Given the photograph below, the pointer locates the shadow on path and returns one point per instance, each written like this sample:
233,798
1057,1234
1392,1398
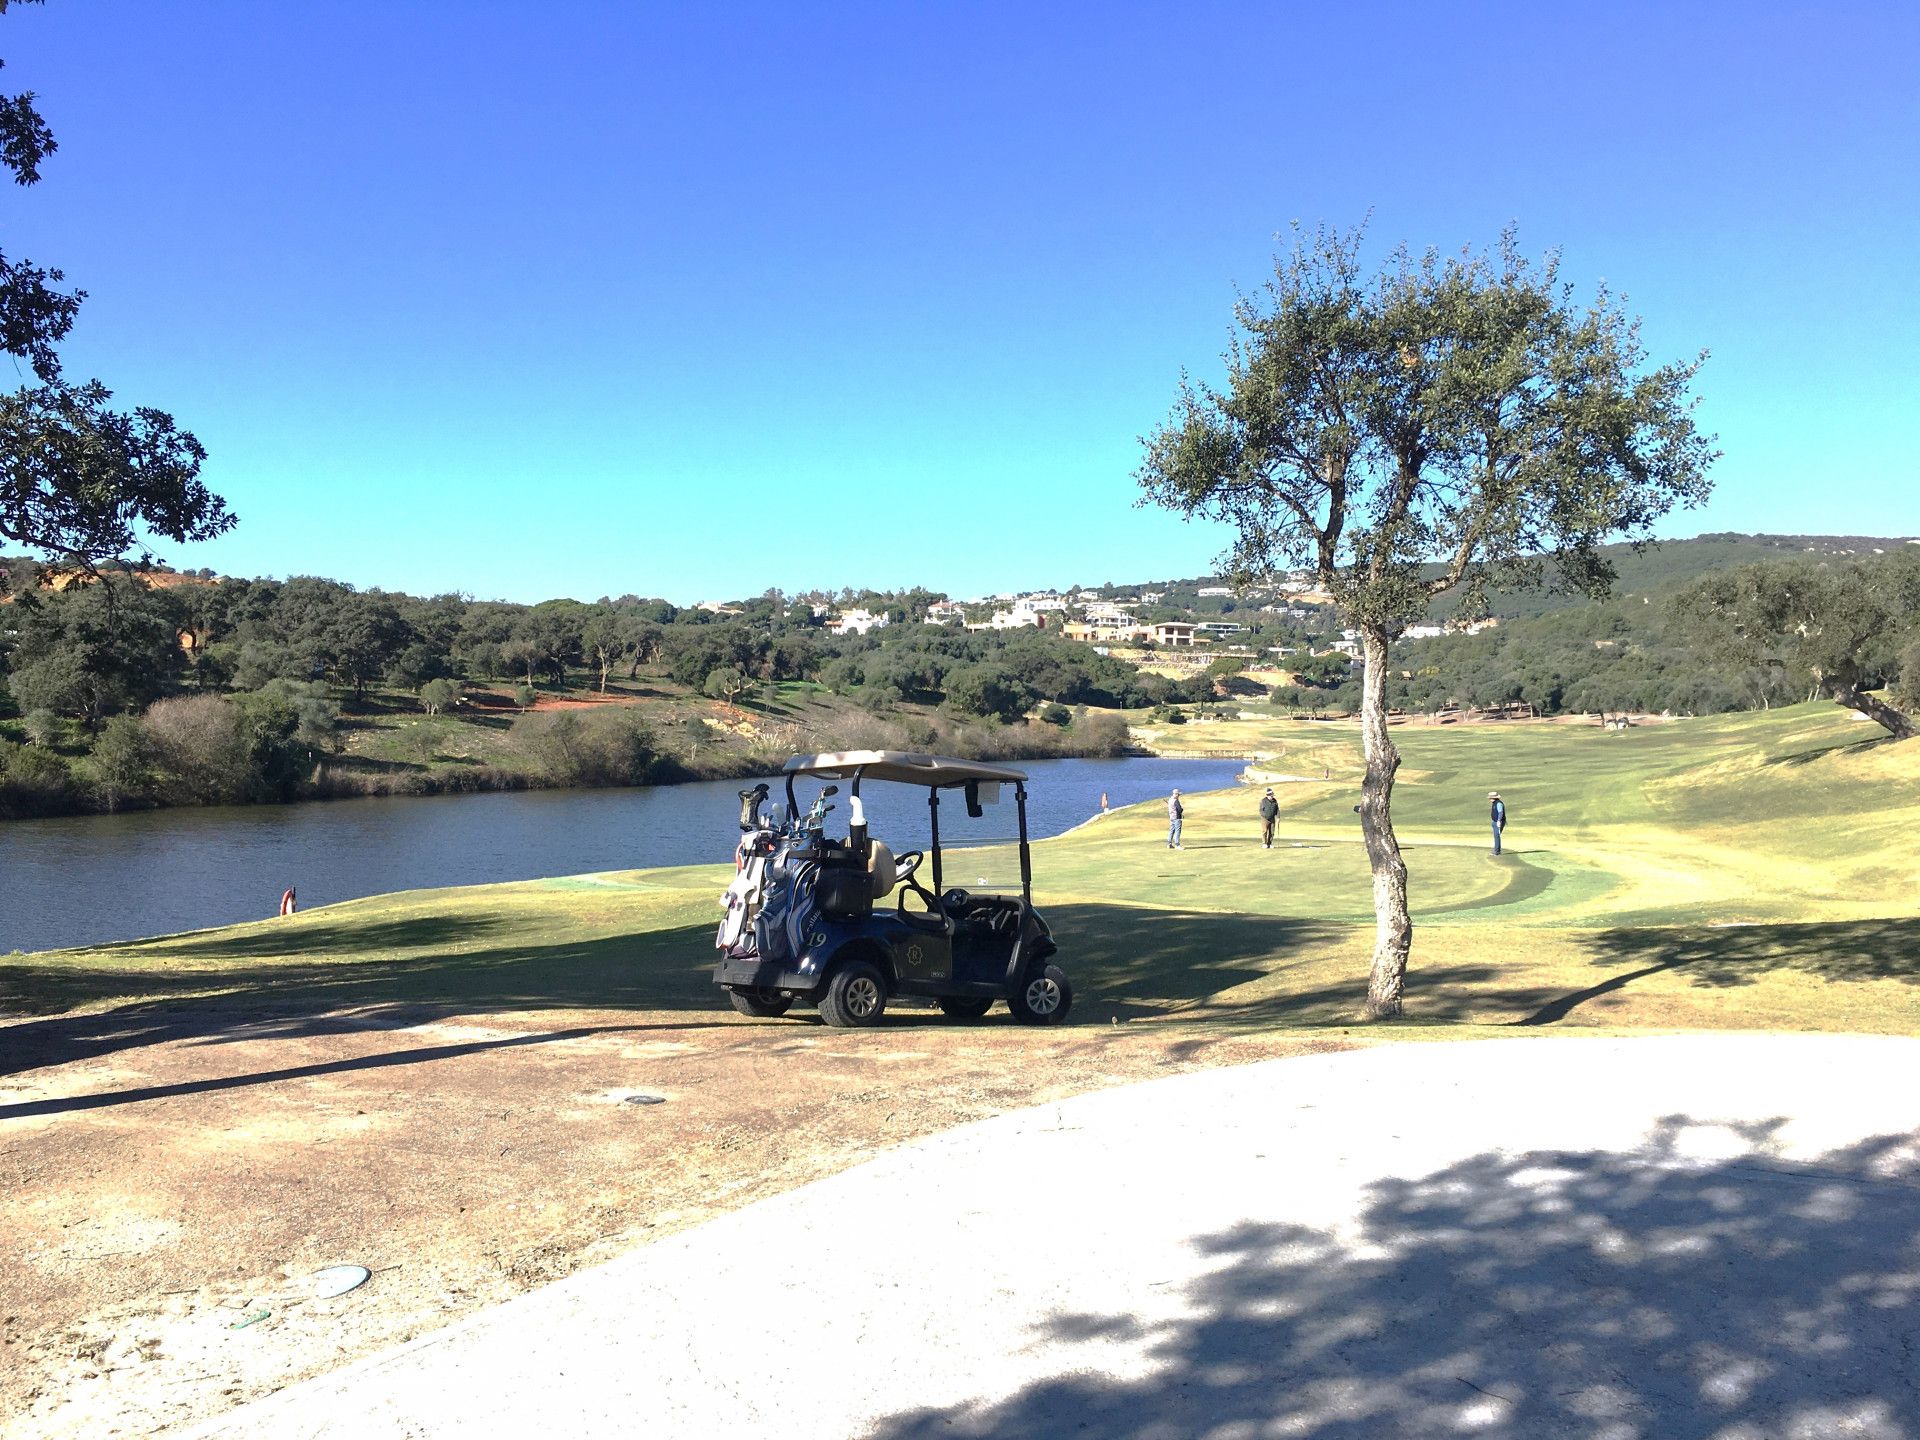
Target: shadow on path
1554,1293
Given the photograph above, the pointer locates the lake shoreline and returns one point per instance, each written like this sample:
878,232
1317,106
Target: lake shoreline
352,782
95,879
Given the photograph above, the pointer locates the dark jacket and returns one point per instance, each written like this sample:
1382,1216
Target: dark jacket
1500,813
1269,808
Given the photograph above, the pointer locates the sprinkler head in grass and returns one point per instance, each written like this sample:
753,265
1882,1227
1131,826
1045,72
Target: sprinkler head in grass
338,1280
645,1100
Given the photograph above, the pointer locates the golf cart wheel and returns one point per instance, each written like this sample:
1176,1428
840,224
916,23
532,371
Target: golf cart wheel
965,1007
856,995
1043,998
762,1004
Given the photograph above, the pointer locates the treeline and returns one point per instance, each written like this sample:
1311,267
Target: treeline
187,689
1841,624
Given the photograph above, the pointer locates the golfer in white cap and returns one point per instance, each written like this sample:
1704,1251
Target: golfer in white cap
1499,817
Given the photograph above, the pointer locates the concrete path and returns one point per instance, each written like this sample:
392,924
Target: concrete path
1673,1236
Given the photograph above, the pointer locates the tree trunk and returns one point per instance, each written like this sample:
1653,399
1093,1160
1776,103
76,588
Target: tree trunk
1895,722
1393,927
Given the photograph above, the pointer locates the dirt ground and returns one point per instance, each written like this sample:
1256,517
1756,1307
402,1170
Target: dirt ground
169,1196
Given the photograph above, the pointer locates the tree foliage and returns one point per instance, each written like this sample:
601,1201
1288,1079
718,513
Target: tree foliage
79,481
1442,426
1843,628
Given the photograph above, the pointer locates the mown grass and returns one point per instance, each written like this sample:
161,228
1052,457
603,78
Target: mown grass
1740,872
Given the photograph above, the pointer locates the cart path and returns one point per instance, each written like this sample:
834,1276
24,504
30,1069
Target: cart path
1689,1234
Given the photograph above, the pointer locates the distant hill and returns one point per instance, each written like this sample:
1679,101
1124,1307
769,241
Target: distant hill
1661,569
1656,570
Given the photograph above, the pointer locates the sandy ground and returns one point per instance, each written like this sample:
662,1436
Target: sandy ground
171,1186
1616,1239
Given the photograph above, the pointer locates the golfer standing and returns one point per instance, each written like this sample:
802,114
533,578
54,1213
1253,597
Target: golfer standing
1499,816
1269,812
1175,812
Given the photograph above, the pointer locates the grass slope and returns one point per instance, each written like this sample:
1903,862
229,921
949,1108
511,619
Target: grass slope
1752,871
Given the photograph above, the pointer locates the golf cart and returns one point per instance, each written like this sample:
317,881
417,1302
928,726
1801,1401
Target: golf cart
848,924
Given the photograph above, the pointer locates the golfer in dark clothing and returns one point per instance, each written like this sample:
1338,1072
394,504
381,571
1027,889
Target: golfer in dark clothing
1269,812
1499,817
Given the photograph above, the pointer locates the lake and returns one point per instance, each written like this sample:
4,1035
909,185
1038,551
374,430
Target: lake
85,880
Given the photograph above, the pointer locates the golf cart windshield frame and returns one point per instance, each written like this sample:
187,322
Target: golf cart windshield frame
937,773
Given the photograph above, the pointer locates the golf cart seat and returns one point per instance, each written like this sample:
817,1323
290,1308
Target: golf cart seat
881,871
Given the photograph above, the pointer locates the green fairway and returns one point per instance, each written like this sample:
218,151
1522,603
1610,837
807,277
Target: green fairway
1734,872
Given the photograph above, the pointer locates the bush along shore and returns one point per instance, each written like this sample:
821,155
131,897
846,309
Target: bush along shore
288,742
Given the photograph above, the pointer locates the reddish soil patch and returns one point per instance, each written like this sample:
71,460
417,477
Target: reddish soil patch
494,700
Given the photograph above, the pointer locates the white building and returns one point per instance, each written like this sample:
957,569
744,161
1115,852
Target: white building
1207,590
856,622
1015,619
1045,604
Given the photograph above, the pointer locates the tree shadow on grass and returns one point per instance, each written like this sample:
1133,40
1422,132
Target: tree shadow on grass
240,987
386,1059
1135,960
1551,1293
298,980
1726,956
1839,747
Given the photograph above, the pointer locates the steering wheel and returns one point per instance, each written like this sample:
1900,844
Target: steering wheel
904,865
954,899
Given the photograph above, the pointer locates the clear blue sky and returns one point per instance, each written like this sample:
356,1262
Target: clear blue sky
586,298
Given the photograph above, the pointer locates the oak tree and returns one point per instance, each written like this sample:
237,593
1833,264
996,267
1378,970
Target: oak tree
1836,627
1420,433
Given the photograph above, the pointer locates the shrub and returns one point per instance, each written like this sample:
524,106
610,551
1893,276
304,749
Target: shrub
33,781
439,694
123,762
201,751
524,696
989,691
1104,734
603,747
316,716
43,727
1056,714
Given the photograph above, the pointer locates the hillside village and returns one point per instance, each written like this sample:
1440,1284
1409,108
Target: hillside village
1164,628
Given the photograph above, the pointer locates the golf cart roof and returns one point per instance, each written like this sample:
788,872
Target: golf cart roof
907,766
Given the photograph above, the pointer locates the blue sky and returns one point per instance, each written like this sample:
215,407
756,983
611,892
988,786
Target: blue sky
583,298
